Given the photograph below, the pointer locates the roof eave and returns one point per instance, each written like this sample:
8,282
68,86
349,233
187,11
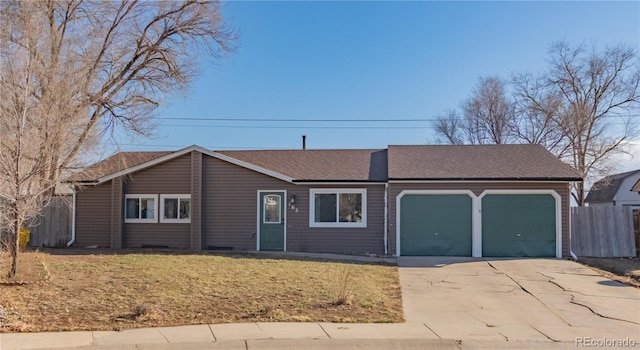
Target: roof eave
563,179
300,181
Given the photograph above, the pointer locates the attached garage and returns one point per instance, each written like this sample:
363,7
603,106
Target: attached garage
478,200
489,223
436,224
519,225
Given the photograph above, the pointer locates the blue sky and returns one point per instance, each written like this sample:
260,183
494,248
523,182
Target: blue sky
321,62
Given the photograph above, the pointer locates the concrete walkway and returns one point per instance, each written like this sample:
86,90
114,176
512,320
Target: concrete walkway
520,300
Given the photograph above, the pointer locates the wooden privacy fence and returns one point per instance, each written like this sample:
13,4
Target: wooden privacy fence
603,231
53,227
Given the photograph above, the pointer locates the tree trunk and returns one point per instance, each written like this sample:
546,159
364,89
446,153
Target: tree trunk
14,243
14,238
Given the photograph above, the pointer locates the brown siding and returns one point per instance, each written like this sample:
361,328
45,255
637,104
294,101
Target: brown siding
301,237
93,221
117,204
230,214
196,201
477,188
171,177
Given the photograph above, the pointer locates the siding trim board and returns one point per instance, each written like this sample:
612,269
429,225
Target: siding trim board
196,239
117,200
476,237
338,182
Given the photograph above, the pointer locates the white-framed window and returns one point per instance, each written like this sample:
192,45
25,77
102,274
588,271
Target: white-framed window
140,208
343,207
175,208
272,209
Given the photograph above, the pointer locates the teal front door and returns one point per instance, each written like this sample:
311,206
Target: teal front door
271,211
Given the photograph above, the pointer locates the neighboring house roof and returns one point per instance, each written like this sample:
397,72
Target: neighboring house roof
477,162
485,162
605,189
636,186
320,165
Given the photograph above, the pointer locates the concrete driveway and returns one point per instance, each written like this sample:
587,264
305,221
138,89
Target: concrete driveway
539,300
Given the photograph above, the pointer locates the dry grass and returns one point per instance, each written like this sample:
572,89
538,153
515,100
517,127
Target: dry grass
624,270
113,292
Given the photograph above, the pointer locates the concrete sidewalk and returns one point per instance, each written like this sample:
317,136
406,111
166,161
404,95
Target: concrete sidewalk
262,336
239,336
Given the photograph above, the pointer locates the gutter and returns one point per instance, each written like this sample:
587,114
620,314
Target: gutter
73,218
386,217
510,179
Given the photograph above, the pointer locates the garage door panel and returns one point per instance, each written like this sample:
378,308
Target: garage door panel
519,248
438,225
518,225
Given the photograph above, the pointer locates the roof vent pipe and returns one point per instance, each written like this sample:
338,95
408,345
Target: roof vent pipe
304,141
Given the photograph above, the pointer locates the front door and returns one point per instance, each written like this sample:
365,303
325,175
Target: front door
271,211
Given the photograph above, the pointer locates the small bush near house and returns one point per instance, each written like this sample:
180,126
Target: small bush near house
343,287
25,234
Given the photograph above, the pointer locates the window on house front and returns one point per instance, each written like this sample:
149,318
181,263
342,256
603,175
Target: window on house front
140,208
272,209
175,208
338,208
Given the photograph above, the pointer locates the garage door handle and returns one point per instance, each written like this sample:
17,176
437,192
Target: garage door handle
517,234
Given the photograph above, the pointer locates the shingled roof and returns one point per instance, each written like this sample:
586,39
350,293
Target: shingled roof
477,162
320,165
117,162
605,189
485,162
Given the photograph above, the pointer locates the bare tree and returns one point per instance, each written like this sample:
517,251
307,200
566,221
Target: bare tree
534,120
590,96
450,128
73,70
485,118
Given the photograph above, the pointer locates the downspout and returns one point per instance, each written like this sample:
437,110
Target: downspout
73,218
386,219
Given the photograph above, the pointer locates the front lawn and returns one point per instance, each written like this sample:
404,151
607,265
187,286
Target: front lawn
118,291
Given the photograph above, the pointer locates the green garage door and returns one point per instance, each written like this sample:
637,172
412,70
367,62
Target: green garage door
436,225
515,225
